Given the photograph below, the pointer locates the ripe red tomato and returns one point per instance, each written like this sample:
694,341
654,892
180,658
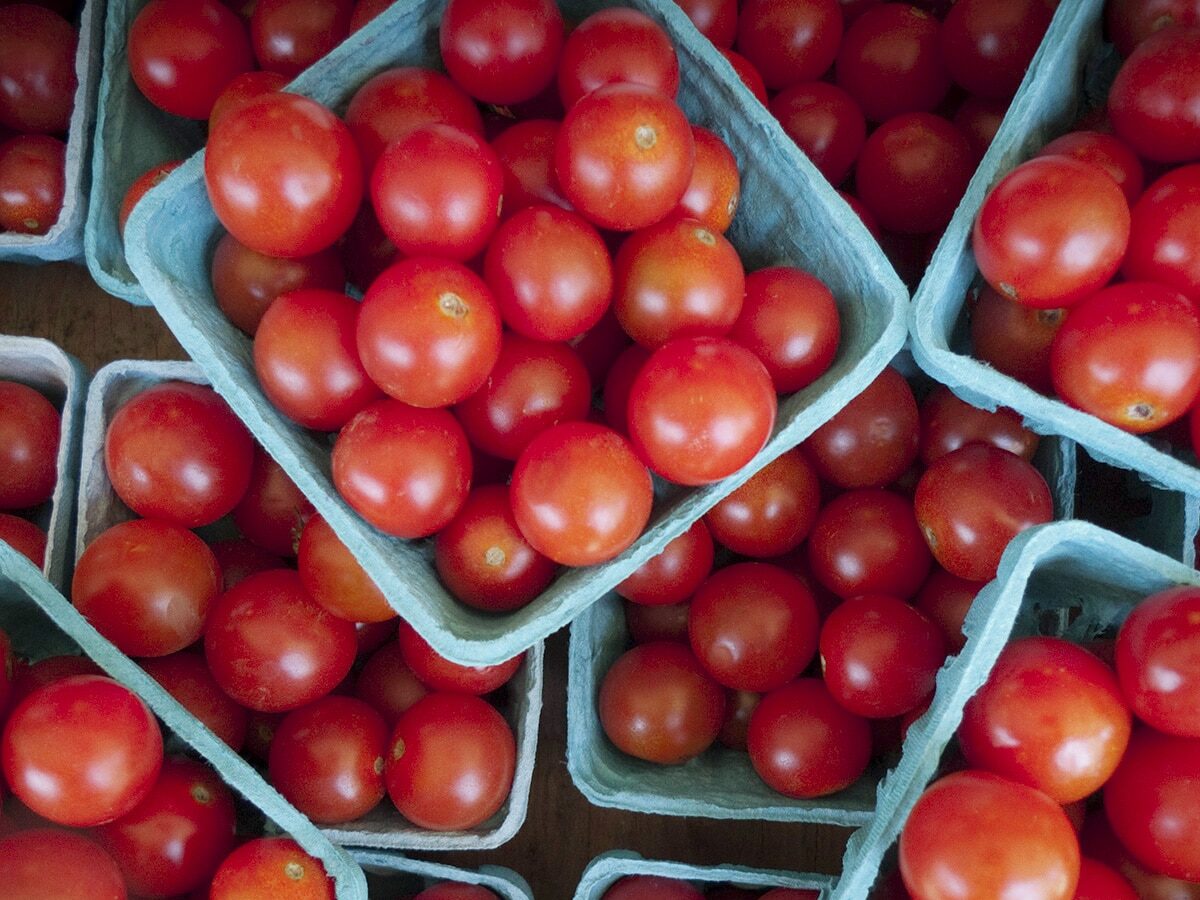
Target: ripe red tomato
715,188
803,744
624,156
753,626
272,512
1108,153
526,150
1130,355
52,864
240,90
658,704
1153,802
988,44
502,52
24,537
147,180
186,677
946,599
32,183
913,170
284,175
1014,339
979,120
825,122
483,559
29,434
271,869
647,624
272,648
366,250
239,558
1051,716
429,332
1006,840
972,502
1100,882
618,384
291,35
174,840
700,409
440,674
617,45
790,42
674,574
550,273
1129,22
334,578
744,69
868,542
1162,241
773,512
715,19
651,887
37,69
81,751
177,452
403,469
365,11
28,678
387,684
450,762
1154,102
739,707
948,423
880,656
1158,661
600,346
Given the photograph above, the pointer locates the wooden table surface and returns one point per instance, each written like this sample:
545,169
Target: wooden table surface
563,832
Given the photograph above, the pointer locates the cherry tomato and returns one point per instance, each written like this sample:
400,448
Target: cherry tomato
1129,22
873,439
52,864
291,35
239,558
972,502
1154,102
284,175
366,250
618,384
272,648
674,574
259,734
502,52
1130,355
28,678
739,707
335,579
868,542
1109,154
790,42
1158,661
1098,841
624,156
617,45
177,452
174,840
667,622
365,11
145,182
749,76
715,19
387,684
1162,240
450,762
550,273
714,191
700,409
32,183
600,346
1051,232
772,513
1100,882
825,122
658,704
440,674
273,511
946,599
81,751
29,432
240,90
979,120
803,744
37,69
24,537
526,150
1006,840
403,469
186,677
1014,339
753,626
948,423
988,44
271,869
651,887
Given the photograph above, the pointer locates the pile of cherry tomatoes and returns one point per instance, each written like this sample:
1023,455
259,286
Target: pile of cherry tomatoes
30,430
654,887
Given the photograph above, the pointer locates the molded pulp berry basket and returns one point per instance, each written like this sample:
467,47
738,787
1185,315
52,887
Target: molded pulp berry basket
608,868
384,827
65,239
789,214
63,380
1072,579
392,875
1072,69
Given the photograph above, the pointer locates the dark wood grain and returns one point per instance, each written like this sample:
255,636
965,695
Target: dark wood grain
563,831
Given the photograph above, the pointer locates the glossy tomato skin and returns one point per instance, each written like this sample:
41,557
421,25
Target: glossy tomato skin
335,579
946,599
880,656
715,19
1100,882
177,452
504,52
273,511
284,175
240,90
617,45
440,674
186,677
271,868
1007,838
526,150
753,626
28,678
483,559
1015,339
306,358
450,762
37,69
700,409
30,427
749,75
1153,100
53,864
182,54
147,586
147,180
988,44
32,183
1107,152
272,648
715,189
405,470
674,574
789,42
772,513
1051,716
175,839
1162,240
651,887
868,542
948,423
24,537
388,685
1053,231
81,751
657,703
1129,22
624,156
1153,803
1130,355
803,744
825,122
1158,661
291,35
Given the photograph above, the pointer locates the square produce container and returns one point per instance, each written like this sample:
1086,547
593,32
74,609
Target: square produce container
1071,579
383,827
63,380
789,214
65,239
608,868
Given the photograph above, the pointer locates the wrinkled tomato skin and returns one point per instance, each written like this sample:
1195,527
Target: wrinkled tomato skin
1163,246
1158,661
1154,102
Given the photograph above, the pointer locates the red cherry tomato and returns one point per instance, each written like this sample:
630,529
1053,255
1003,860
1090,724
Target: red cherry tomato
715,19
749,76
700,409
988,44
366,250
28,678
405,470
1109,154
803,744
24,537
651,887
739,707
948,423
502,52
147,180
29,434
674,574
273,511
772,513
1015,339
240,90
52,864
1158,661
789,42
291,35
37,69
1162,240
82,751
239,558
365,11
1130,355
619,383
658,704
1006,839
600,346
284,175
32,183
647,624
387,684
450,762
526,150
186,677
1129,22
825,122
946,599
714,191
1154,102
272,648
440,674
334,578
271,869
979,120
1100,882
617,45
